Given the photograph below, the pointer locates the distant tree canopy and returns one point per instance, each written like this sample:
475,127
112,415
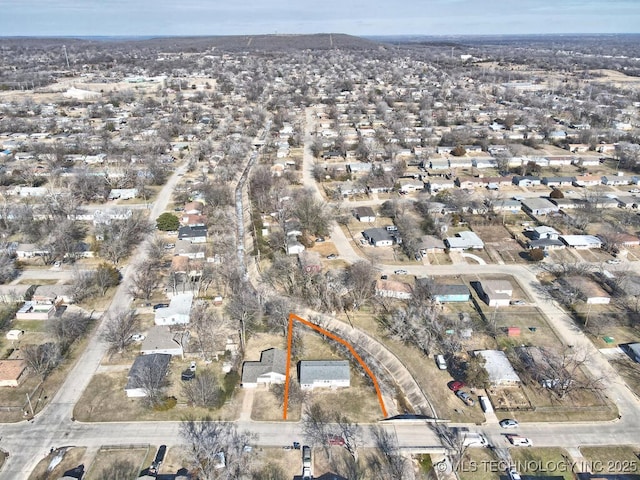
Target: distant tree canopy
168,222
536,254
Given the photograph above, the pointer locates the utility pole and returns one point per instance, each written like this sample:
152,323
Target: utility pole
64,48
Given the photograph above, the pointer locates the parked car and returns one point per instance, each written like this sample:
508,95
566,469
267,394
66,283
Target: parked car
169,246
513,474
614,262
160,305
332,256
465,397
193,366
400,272
335,440
319,239
155,465
137,337
306,473
384,277
634,190
441,362
509,423
518,302
518,441
187,375
455,385
296,445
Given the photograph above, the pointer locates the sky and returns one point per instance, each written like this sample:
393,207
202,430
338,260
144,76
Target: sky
354,17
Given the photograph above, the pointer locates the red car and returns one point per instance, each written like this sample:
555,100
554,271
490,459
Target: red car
335,440
455,385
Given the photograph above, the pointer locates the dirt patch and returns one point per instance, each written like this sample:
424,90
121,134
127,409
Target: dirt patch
70,460
120,463
509,398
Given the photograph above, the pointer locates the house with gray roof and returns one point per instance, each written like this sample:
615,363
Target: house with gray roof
378,237
497,365
539,206
142,365
324,374
270,369
160,339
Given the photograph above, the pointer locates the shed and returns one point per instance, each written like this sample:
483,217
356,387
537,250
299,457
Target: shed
513,331
365,214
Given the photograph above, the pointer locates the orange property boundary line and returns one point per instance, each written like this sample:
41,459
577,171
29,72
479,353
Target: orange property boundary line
292,317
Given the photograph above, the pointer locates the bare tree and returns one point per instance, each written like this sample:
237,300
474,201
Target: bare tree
145,280
8,270
42,359
212,445
204,390
119,328
68,328
394,466
453,440
151,378
360,280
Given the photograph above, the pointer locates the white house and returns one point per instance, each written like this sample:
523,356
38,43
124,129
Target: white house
496,293
393,289
270,369
177,312
324,374
497,365
464,240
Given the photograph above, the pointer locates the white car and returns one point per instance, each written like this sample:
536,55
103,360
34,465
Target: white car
614,262
137,337
193,366
400,272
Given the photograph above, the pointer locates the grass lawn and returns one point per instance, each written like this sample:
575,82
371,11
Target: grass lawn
542,461
479,464
120,463
71,459
623,459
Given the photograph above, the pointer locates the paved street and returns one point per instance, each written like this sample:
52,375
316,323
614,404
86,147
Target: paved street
29,442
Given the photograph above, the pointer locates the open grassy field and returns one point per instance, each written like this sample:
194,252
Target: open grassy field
120,463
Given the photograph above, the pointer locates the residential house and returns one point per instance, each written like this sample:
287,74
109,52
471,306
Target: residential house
193,233
379,237
53,294
269,370
178,311
496,293
193,208
590,161
565,204
465,240
12,372
627,201
430,244
437,164
581,242
435,184
443,293
587,181
123,193
560,160
365,214
30,250
616,180
497,365
193,219
359,167
558,181
544,231
30,310
294,247
393,289
193,251
507,205
349,188
139,371
409,185
324,374
539,206
160,339
588,290
526,181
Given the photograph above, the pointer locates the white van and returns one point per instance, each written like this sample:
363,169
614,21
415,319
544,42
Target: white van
485,403
518,441
441,362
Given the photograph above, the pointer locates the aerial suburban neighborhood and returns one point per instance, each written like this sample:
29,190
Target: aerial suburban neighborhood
320,256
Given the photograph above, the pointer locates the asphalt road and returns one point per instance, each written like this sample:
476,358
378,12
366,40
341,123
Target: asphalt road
53,424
